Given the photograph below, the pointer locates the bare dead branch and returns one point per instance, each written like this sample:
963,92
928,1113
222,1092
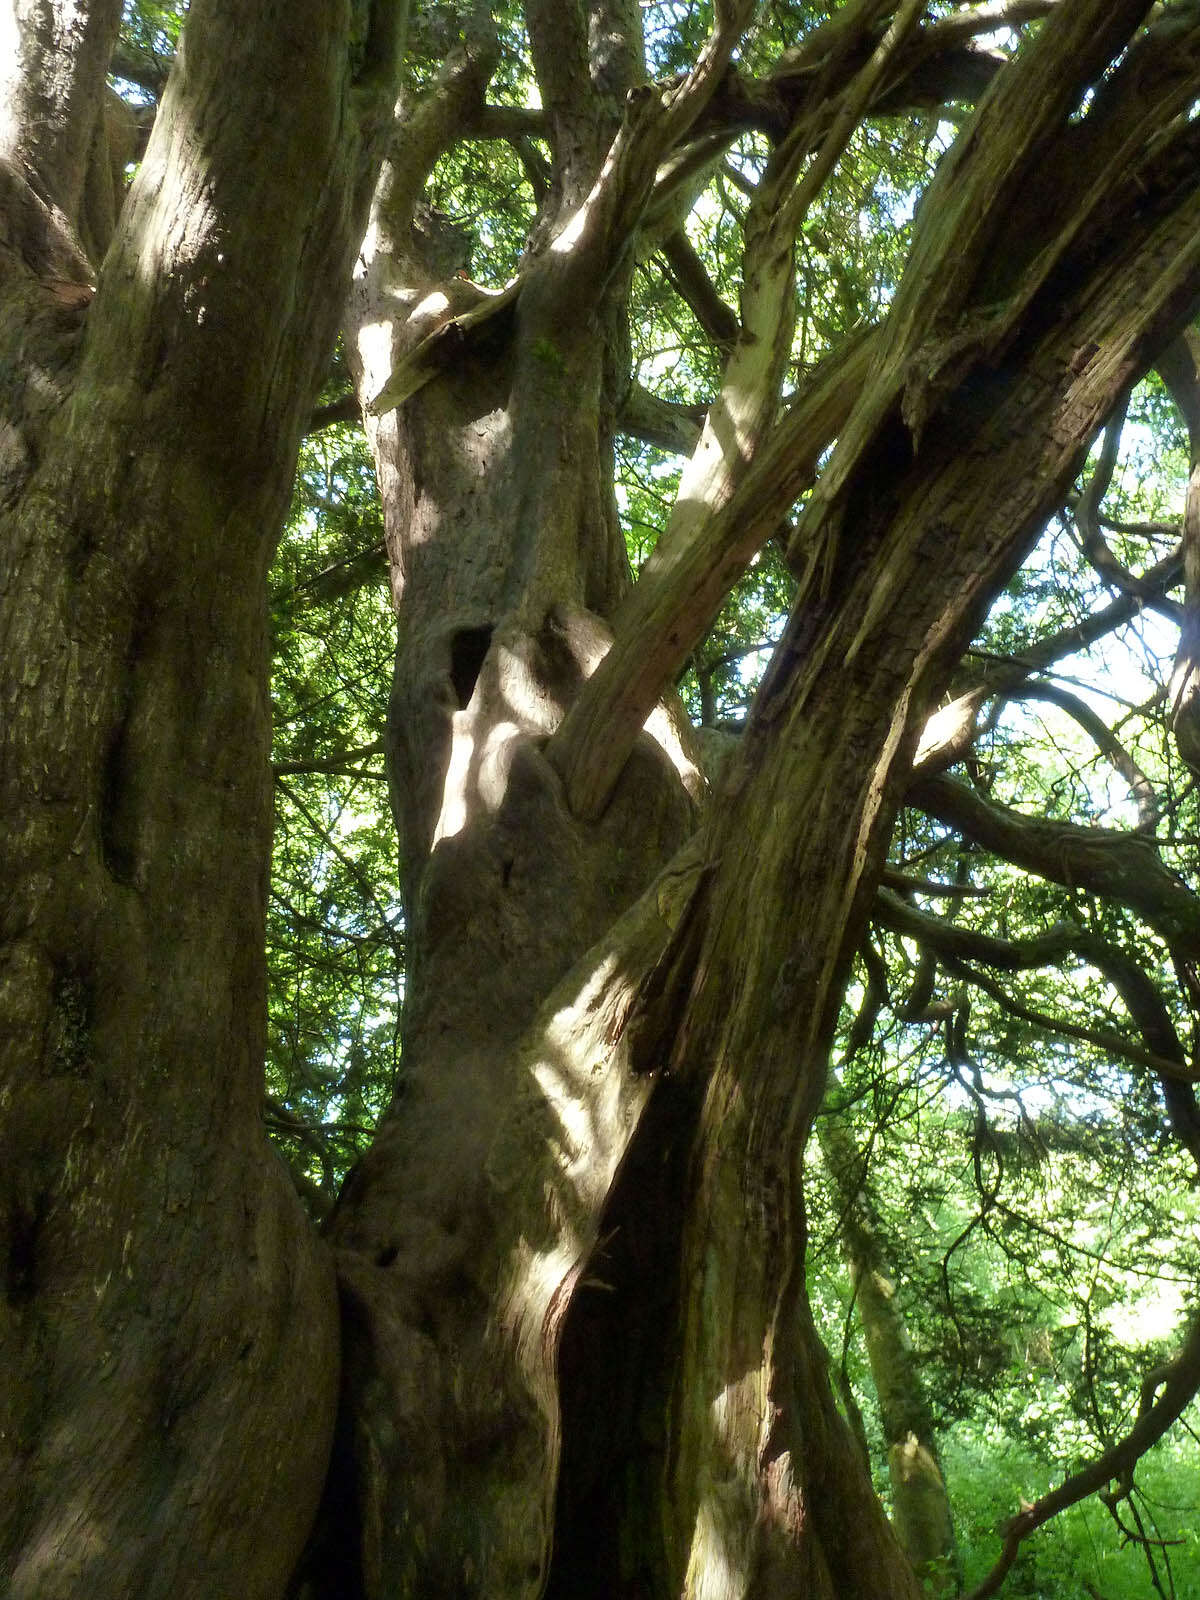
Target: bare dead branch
661,422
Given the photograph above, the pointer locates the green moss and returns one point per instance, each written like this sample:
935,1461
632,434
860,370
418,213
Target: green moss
67,1045
548,353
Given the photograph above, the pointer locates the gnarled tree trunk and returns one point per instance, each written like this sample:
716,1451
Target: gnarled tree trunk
168,1329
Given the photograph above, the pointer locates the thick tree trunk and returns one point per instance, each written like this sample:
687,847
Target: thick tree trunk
460,1234
168,1332
796,849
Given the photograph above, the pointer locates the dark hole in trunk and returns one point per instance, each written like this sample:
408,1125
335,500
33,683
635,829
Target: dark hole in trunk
468,648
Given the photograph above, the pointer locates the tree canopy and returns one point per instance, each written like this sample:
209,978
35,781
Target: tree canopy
731,980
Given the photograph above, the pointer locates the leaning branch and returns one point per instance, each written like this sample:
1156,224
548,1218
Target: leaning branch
656,123
684,583
1121,866
1175,1386
693,285
445,345
918,360
988,18
935,335
962,949
1180,368
594,741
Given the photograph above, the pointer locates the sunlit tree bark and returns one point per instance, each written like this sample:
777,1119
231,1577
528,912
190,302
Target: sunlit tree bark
1019,322
168,1329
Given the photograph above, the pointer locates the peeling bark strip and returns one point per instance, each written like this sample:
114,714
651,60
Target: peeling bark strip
168,1342
621,993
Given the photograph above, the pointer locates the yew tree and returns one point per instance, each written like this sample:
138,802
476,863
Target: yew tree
554,1334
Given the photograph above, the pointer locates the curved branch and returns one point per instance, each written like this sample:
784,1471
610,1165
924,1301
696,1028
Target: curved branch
1086,510
1106,742
149,72
1157,580
428,127
1107,1040
957,946
1176,1386
1122,866
987,19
